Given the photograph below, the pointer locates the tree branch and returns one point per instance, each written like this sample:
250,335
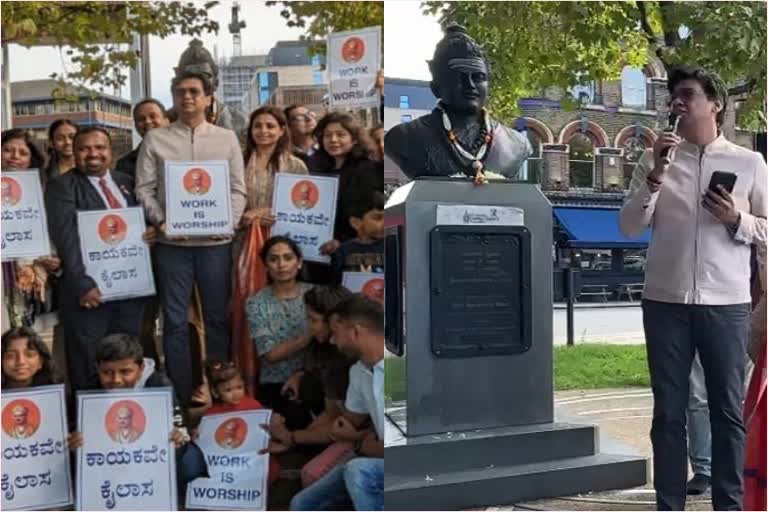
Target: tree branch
646,26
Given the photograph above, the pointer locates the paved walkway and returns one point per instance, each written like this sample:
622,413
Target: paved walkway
624,418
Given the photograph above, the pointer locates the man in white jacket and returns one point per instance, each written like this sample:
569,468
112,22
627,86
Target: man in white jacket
696,296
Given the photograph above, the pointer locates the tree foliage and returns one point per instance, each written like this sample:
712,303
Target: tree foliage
322,18
93,33
535,45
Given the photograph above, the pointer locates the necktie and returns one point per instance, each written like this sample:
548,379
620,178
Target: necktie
111,199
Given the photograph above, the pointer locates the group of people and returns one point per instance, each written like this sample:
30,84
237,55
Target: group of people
246,322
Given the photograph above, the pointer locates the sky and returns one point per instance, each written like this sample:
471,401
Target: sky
264,27
409,40
405,57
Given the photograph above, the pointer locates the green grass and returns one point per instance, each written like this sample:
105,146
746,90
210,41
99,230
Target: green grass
584,366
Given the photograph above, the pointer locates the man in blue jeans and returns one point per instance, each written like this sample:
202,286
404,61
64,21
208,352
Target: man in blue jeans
696,296
699,432
358,331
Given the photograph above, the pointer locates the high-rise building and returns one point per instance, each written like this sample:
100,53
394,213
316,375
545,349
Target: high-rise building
250,80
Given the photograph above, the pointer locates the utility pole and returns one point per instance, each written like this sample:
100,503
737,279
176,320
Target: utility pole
6,89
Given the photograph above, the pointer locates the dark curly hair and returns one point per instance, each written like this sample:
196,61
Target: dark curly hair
359,151
47,373
713,86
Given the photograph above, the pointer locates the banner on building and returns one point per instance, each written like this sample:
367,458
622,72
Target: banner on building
198,198
127,461
36,471
238,475
114,253
305,211
24,225
354,59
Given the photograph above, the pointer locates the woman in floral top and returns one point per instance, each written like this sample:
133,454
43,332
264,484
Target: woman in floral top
26,290
278,326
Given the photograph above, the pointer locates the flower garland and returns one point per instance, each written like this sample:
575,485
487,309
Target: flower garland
476,159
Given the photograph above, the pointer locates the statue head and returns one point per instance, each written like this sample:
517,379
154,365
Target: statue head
196,59
460,72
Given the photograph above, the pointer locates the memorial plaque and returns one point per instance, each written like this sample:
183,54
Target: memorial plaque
393,290
480,290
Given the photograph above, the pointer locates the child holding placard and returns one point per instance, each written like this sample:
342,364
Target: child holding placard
228,395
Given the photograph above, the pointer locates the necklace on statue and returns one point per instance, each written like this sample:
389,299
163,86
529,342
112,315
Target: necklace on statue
476,159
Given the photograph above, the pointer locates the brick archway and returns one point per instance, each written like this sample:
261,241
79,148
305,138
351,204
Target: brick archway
542,130
646,134
574,127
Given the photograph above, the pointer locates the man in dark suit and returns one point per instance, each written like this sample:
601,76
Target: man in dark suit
86,318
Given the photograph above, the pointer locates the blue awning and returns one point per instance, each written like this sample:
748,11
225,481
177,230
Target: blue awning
595,228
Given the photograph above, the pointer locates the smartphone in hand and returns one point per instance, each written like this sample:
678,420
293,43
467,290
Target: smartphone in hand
726,179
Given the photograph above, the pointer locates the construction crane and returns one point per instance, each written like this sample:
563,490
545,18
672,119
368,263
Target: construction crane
234,29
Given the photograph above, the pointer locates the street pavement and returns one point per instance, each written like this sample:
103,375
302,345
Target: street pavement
624,419
597,323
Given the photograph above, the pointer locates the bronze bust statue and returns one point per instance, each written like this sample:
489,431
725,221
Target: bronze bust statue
458,137
196,58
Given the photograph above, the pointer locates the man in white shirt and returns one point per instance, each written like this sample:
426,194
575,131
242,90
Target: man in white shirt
696,297
358,331
85,316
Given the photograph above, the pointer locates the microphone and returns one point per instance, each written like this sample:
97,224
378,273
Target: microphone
672,123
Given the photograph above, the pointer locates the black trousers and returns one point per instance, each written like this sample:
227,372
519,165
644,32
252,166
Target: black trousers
85,328
673,333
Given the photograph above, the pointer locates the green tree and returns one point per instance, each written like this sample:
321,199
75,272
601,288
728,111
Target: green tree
94,31
534,45
322,18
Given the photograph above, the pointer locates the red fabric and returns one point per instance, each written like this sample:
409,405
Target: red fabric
250,276
319,466
111,199
247,404
756,446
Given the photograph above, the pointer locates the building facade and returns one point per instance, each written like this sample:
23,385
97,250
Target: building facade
583,159
34,108
248,81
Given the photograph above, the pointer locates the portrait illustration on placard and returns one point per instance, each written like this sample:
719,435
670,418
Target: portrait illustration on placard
112,229
353,50
11,191
231,433
125,422
21,419
197,181
304,195
374,289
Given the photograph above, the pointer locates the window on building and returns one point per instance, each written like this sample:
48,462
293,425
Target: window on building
531,170
405,102
633,88
584,94
633,150
581,160
737,106
406,118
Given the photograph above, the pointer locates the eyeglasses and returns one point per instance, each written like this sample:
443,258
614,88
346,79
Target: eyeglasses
222,365
685,95
180,92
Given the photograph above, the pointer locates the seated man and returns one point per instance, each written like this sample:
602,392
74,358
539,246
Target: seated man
359,332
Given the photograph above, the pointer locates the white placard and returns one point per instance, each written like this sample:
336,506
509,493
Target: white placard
238,474
127,461
477,215
370,284
354,59
114,253
24,226
198,198
305,209
36,471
